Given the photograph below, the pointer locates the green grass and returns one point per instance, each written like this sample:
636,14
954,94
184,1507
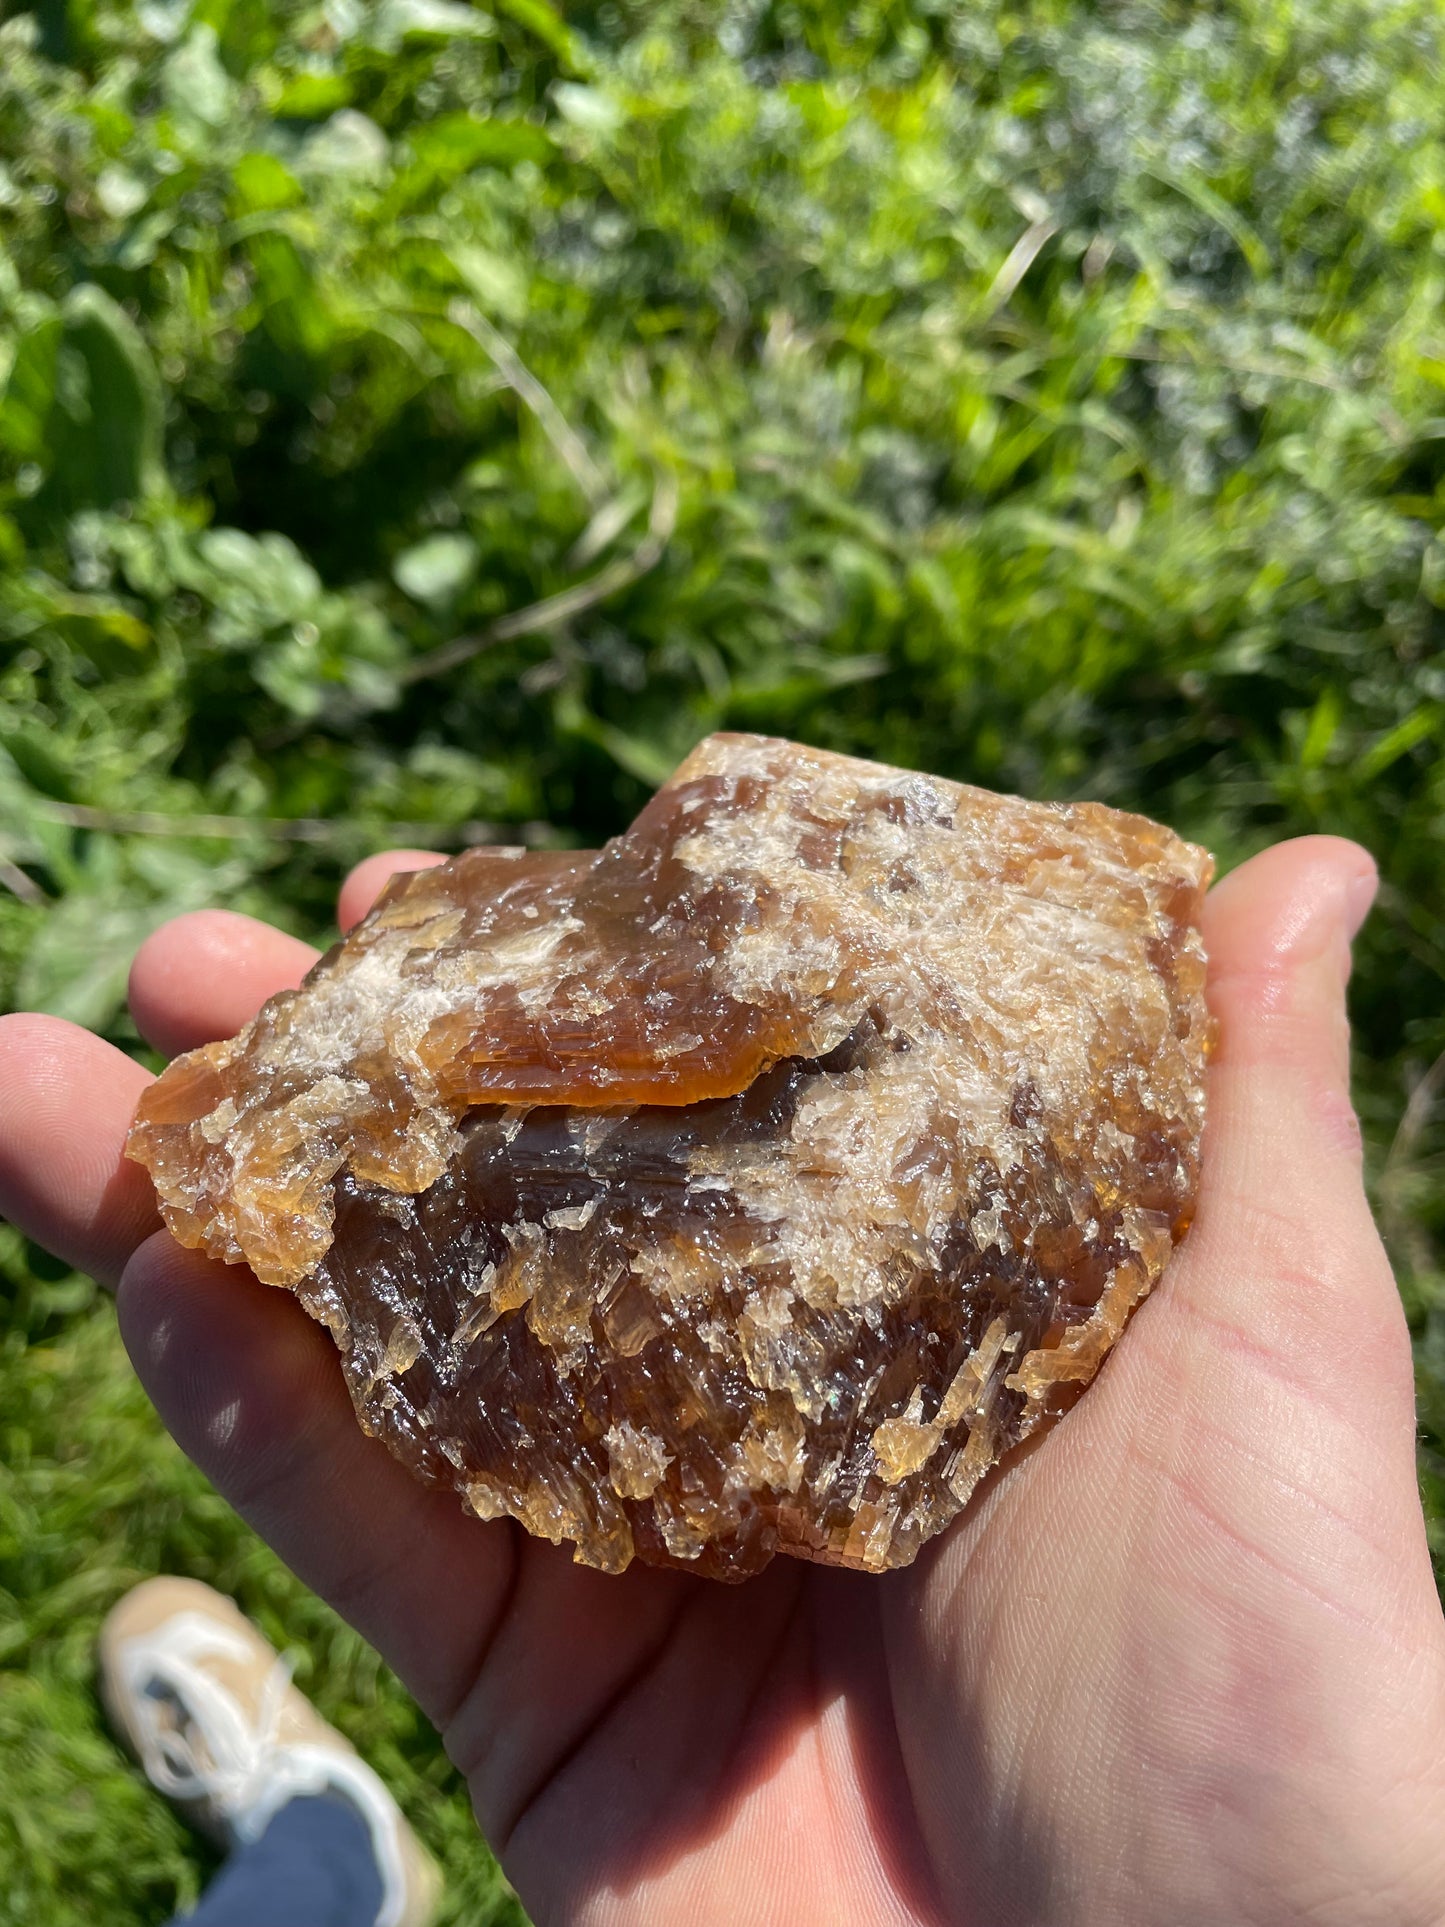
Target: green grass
1049,394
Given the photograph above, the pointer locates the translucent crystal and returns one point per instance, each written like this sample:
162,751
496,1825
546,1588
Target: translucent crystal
750,1185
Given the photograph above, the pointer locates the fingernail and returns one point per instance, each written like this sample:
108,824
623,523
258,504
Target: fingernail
1359,895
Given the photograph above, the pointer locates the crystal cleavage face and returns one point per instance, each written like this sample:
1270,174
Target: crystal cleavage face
748,1186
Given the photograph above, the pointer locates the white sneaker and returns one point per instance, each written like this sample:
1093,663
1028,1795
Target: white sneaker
208,1709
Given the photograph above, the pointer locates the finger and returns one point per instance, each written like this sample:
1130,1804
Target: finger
66,1103
204,975
1284,1257
371,876
1278,932
251,1389
1281,1133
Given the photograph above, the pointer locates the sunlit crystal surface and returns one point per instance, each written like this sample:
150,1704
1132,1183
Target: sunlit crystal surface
747,1186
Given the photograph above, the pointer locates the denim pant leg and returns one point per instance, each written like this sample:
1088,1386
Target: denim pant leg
312,1867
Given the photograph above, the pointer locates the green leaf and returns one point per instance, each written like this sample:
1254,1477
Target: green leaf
120,192
197,88
295,313
32,752
456,143
164,20
78,963
30,391
311,96
1323,727
436,570
498,285
84,402
554,33
592,109
77,966
256,584
398,20
1399,741
651,763
260,182
140,245
347,144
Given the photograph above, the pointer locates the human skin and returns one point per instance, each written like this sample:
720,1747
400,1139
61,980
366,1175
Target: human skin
1180,1664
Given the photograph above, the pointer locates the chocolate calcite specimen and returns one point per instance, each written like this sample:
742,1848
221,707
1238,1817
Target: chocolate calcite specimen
747,1186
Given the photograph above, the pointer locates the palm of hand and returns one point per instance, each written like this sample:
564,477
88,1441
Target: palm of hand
1183,1662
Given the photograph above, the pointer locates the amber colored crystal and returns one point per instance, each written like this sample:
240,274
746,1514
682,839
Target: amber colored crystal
750,1185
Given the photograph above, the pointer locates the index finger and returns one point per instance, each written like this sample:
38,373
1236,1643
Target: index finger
203,975
66,1102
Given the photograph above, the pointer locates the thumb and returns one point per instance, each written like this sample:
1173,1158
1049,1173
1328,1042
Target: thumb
1284,1258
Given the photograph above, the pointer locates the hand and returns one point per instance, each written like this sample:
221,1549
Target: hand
1182,1663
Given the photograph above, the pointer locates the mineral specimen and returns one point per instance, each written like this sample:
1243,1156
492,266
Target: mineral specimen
750,1185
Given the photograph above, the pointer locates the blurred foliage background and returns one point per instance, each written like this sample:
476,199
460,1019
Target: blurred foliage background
421,421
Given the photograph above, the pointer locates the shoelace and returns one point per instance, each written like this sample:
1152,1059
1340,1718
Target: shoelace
215,1752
